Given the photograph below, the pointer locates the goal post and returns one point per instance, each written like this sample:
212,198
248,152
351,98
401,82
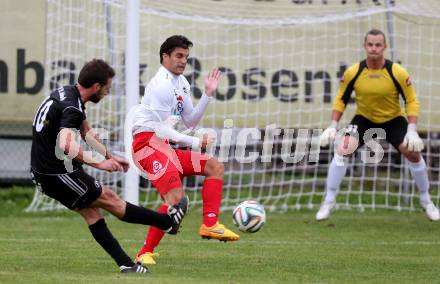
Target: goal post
281,63
131,186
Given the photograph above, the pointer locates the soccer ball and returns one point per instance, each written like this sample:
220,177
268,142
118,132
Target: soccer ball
249,216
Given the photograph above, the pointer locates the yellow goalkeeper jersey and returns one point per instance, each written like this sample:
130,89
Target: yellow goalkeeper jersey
377,92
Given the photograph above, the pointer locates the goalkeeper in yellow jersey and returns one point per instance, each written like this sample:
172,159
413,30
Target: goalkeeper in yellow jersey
378,83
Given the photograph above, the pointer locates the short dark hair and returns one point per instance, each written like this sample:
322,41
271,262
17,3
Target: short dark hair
375,32
95,71
172,42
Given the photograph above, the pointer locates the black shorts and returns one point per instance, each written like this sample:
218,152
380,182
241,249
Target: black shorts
75,190
394,130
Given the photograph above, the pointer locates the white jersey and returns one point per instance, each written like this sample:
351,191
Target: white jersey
167,100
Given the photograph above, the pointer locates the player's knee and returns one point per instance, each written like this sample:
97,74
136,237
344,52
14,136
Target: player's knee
219,168
90,215
110,202
108,196
347,145
173,196
214,168
413,157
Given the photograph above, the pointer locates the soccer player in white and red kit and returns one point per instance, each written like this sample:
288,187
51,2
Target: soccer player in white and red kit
167,101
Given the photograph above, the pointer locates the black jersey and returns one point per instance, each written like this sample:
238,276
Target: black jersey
62,109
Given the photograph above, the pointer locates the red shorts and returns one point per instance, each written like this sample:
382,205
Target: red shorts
163,165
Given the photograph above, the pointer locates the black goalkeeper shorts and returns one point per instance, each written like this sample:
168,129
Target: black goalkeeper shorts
394,129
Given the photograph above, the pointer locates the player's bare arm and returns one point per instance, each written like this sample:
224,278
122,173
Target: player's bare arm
67,143
92,139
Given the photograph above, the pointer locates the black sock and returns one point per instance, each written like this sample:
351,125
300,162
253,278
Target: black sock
140,215
104,237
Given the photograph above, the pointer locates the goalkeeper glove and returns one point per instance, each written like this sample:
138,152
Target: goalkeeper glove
412,140
329,134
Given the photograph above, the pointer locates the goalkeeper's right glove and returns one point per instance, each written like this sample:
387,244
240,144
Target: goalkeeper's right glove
412,140
329,134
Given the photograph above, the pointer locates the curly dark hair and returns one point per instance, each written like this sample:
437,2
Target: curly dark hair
95,71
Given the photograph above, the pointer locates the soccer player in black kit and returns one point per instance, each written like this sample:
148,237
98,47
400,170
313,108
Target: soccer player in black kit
57,158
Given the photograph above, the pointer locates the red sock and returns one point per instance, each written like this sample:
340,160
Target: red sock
211,198
154,235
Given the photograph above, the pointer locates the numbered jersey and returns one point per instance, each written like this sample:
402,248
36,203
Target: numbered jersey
62,109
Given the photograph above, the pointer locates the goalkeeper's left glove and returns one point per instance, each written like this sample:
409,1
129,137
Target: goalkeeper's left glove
412,140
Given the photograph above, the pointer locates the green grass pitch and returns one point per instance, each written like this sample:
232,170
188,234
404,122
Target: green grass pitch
352,247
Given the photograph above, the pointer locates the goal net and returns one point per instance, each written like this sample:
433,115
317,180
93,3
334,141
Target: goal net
281,63
76,32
